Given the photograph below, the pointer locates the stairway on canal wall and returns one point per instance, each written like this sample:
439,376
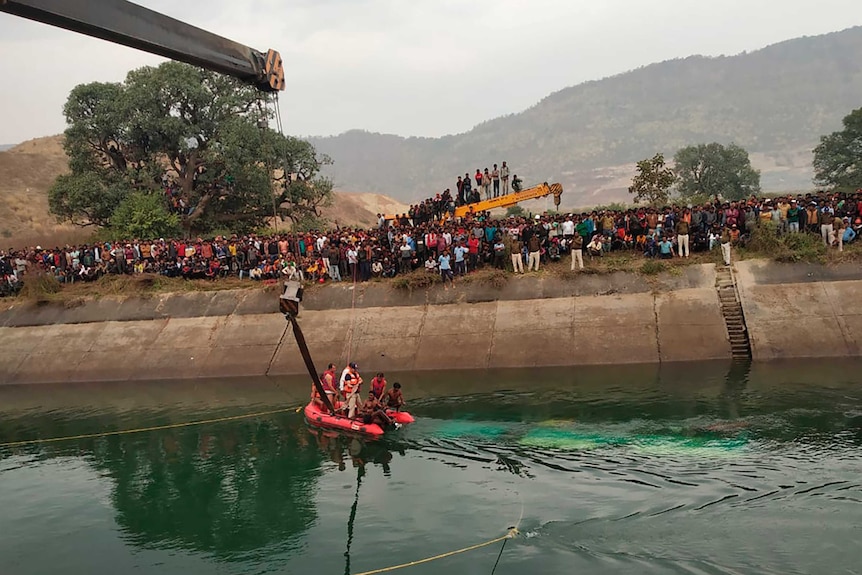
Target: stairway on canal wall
734,316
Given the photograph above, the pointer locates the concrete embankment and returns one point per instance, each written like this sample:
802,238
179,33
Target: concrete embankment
612,319
791,311
801,310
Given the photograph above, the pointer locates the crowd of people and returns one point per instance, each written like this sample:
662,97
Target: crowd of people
485,185
451,247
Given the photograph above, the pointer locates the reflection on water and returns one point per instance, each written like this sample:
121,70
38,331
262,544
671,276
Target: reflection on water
699,468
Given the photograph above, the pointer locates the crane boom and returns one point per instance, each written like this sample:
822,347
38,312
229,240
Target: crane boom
129,24
539,191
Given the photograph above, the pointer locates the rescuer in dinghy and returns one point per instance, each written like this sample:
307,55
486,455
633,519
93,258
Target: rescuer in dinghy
349,386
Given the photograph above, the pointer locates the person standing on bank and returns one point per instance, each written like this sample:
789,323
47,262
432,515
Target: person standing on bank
577,247
725,245
682,229
517,260
495,177
534,247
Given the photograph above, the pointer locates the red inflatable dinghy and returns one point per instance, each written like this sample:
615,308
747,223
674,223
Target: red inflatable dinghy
319,418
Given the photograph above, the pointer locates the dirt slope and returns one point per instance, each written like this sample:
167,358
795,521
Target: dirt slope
28,170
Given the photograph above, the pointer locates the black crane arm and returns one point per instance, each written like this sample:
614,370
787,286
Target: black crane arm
125,23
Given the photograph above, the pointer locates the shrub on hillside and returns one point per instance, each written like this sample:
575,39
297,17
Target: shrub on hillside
39,287
802,247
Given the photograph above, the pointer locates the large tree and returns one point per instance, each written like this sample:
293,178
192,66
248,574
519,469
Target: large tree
205,133
652,182
838,158
715,170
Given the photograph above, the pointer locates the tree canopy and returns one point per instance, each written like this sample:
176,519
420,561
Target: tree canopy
652,182
715,170
198,134
838,158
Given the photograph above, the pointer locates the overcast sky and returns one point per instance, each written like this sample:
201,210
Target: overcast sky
411,67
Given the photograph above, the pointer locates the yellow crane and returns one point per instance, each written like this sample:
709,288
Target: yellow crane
512,199
539,191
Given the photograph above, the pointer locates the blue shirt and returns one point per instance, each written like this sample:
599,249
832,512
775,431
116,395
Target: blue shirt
489,233
459,253
665,246
849,235
444,262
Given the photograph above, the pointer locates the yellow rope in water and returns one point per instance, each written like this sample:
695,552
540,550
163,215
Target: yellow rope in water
144,429
511,533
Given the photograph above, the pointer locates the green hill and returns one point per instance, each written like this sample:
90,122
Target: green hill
776,102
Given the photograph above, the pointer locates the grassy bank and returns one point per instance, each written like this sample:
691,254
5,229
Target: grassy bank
764,244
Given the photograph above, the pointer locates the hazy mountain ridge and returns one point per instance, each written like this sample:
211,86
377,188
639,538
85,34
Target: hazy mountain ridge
776,102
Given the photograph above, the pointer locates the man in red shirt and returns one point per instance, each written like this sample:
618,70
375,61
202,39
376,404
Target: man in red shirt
378,386
472,252
328,381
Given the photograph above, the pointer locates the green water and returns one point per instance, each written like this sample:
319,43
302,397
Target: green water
701,468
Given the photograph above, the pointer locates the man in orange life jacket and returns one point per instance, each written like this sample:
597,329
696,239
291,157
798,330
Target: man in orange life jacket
350,384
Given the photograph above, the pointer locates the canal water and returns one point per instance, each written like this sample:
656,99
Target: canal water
699,468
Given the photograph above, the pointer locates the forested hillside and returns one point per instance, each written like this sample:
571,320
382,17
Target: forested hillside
776,102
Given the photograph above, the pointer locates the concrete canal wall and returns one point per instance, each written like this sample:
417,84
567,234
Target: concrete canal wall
801,310
591,320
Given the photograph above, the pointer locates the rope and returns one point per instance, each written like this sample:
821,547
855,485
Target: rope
500,554
352,311
145,429
509,535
